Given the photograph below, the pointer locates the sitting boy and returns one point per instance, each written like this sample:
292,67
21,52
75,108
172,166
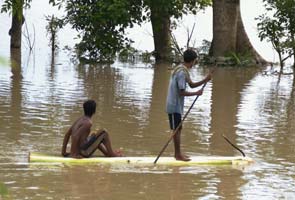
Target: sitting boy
84,144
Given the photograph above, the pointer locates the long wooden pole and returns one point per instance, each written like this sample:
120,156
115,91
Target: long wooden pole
178,127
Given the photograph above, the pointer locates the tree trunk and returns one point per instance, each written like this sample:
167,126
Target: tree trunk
161,32
15,31
225,13
229,35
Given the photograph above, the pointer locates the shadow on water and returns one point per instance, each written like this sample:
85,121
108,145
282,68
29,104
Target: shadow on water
158,123
226,97
291,108
15,110
282,106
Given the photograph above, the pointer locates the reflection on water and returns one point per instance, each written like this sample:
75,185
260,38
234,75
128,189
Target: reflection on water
39,102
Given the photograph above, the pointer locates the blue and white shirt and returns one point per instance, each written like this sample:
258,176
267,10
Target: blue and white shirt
178,80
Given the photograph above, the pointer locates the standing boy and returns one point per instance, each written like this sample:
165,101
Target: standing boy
176,93
83,144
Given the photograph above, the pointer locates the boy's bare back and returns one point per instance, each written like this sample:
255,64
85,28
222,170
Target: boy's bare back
80,131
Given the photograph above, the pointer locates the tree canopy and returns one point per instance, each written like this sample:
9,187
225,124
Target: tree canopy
102,24
278,26
11,6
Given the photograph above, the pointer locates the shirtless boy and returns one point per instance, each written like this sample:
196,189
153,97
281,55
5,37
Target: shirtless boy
84,143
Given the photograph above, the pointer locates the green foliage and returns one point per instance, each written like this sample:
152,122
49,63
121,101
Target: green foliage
146,56
278,26
102,23
58,3
238,59
12,6
205,47
128,54
53,26
176,8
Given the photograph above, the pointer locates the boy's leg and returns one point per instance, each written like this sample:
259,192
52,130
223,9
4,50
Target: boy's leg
102,148
106,147
175,120
177,152
176,140
94,140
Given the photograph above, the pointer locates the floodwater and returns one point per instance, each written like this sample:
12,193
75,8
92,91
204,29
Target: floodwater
252,107
40,98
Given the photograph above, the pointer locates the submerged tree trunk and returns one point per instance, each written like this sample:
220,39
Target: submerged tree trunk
161,32
224,27
229,35
15,31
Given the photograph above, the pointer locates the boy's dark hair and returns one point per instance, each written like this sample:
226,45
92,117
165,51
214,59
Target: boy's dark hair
89,107
189,55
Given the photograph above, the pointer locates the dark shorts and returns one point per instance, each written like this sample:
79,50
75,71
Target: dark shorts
174,120
92,143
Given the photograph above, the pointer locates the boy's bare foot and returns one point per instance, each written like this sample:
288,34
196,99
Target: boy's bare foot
116,153
182,158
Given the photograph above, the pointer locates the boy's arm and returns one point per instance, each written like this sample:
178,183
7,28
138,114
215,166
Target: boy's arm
65,143
181,83
197,84
186,93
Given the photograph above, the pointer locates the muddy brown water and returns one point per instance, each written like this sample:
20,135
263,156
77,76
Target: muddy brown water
39,100
253,109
